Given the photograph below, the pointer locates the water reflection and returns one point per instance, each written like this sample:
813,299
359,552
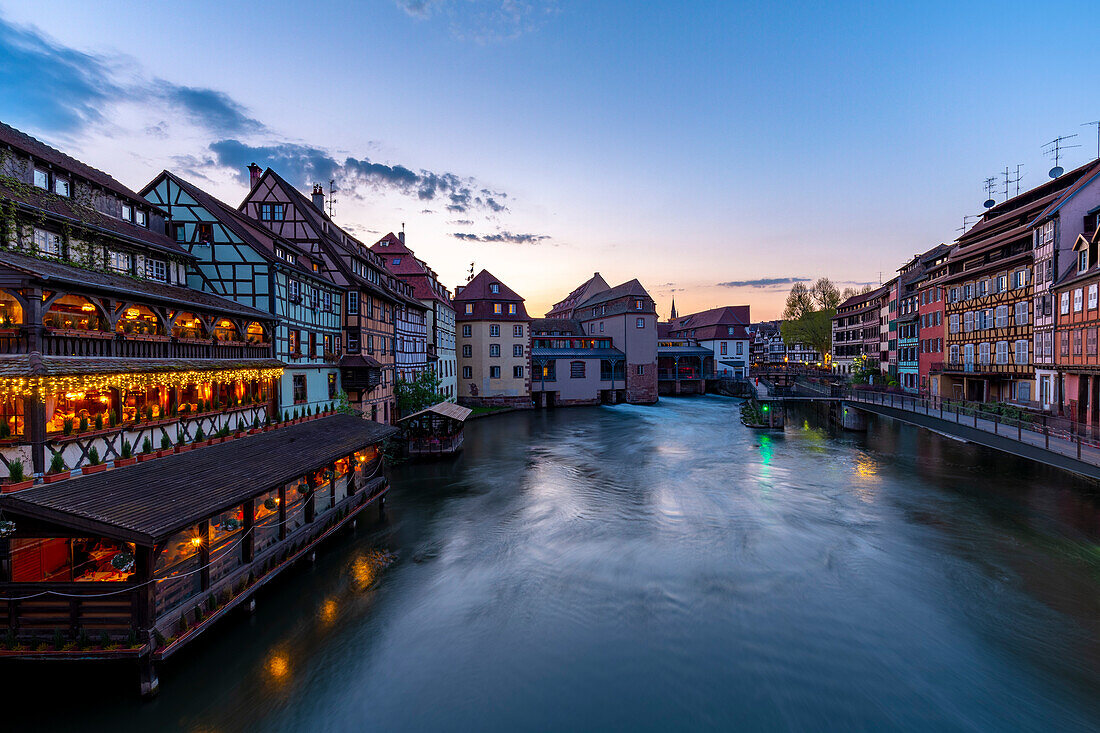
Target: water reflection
662,568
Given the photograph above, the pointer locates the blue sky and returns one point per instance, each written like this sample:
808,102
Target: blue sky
687,144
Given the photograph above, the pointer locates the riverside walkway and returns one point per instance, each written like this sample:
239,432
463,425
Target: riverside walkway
1053,441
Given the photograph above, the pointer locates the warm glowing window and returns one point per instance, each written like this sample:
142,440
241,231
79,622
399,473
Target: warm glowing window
255,333
137,319
188,326
11,313
73,312
226,330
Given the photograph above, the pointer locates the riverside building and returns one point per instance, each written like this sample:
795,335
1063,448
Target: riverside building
492,341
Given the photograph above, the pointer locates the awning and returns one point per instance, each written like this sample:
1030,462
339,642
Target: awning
683,351
148,502
446,409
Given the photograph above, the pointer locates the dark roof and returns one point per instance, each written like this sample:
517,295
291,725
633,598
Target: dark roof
114,284
35,364
409,269
683,351
35,147
631,288
563,326
714,323
569,353
358,361
148,502
564,307
477,293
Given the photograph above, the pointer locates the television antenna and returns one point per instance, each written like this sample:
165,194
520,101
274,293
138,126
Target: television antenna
1011,178
331,198
1054,148
990,185
966,221
1097,123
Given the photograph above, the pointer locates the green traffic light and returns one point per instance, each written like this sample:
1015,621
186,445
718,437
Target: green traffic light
765,408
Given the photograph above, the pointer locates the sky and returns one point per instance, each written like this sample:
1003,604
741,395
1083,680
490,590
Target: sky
717,151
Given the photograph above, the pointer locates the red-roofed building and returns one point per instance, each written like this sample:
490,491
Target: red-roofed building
724,332
492,341
426,288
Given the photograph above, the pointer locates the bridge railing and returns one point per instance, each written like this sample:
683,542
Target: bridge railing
1050,432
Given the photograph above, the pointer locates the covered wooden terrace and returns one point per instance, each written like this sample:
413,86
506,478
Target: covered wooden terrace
436,430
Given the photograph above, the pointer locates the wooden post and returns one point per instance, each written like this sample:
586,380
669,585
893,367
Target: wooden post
1046,433
204,554
282,512
248,546
311,505
332,486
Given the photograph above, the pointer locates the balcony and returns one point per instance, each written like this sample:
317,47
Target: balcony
73,342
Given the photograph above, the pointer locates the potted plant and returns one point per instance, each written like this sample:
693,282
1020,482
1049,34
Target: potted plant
255,425
16,480
112,418
84,424
57,471
165,445
200,438
5,430
67,426
147,453
148,413
127,456
95,463
99,421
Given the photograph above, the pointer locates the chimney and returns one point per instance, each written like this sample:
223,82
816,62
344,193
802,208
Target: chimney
401,236
319,197
254,172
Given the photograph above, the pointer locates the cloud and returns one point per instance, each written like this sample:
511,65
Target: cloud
504,237
426,211
461,222
484,21
211,108
304,164
764,282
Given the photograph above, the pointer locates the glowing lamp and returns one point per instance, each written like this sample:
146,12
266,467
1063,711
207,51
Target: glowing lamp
88,308
132,313
196,541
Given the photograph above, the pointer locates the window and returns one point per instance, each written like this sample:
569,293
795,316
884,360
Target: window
353,344
1019,278
1021,352
1063,338
494,329
293,291
156,270
294,342
953,323
397,260
740,348
467,331
517,372
1082,260
47,244
127,212
1092,296
141,218
953,295
467,351
119,261
1090,341
41,179
968,291
1064,309
61,186
968,321
331,385
517,331
469,309
512,309
467,372
299,388
641,369
640,323
953,354
517,350
1021,313
968,354
576,370
327,302
723,348
494,288
494,372
494,349
637,305
1077,300
498,308
205,232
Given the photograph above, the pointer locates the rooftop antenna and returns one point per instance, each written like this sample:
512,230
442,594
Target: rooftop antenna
990,184
1054,148
1017,177
332,198
1097,123
966,221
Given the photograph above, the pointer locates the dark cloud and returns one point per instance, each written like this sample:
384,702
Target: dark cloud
59,89
305,164
764,282
504,237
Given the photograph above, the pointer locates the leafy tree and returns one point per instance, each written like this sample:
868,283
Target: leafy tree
420,392
825,295
808,315
799,302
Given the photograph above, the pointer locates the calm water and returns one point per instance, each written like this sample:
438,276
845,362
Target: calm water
656,568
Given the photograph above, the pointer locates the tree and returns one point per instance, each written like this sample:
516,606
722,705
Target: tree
852,292
814,329
799,302
418,393
825,294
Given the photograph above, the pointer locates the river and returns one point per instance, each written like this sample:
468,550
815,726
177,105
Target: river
655,568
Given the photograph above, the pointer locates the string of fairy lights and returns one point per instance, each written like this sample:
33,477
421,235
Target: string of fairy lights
43,386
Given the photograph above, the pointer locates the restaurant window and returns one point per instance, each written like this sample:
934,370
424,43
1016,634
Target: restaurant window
331,386
467,372
299,388
494,330
265,521
156,270
494,372
254,333
177,569
139,320
11,312
119,261
226,330
296,493
42,178
187,325
72,312
225,532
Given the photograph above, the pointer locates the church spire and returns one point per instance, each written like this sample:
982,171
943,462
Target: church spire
672,316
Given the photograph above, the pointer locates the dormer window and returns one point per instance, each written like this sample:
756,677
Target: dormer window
42,178
637,305
469,308
498,308
61,186
127,212
141,218
494,288
1082,260
156,270
397,260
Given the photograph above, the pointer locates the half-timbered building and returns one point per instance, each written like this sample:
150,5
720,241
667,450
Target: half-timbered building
368,360
238,259
1077,357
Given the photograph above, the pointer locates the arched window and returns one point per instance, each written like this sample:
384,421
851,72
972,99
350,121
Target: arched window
75,313
187,325
137,319
11,313
255,333
226,330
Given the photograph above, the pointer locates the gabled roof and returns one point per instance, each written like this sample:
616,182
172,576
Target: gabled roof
591,286
479,289
261,240
402,262
566,326
631,288
445,409
477,293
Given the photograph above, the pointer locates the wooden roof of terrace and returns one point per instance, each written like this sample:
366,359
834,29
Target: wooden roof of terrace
26,267
35,364
445,409
148,502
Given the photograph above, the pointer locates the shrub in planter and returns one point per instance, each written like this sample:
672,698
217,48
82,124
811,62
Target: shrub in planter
147,445
255,422
149,412
112,418
179,438
158,639
199,435
93,456
5,430
67,426
58,639
104,640
84,424
240,425
15,471
286,416
165,441
57,464
127,449
99,421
